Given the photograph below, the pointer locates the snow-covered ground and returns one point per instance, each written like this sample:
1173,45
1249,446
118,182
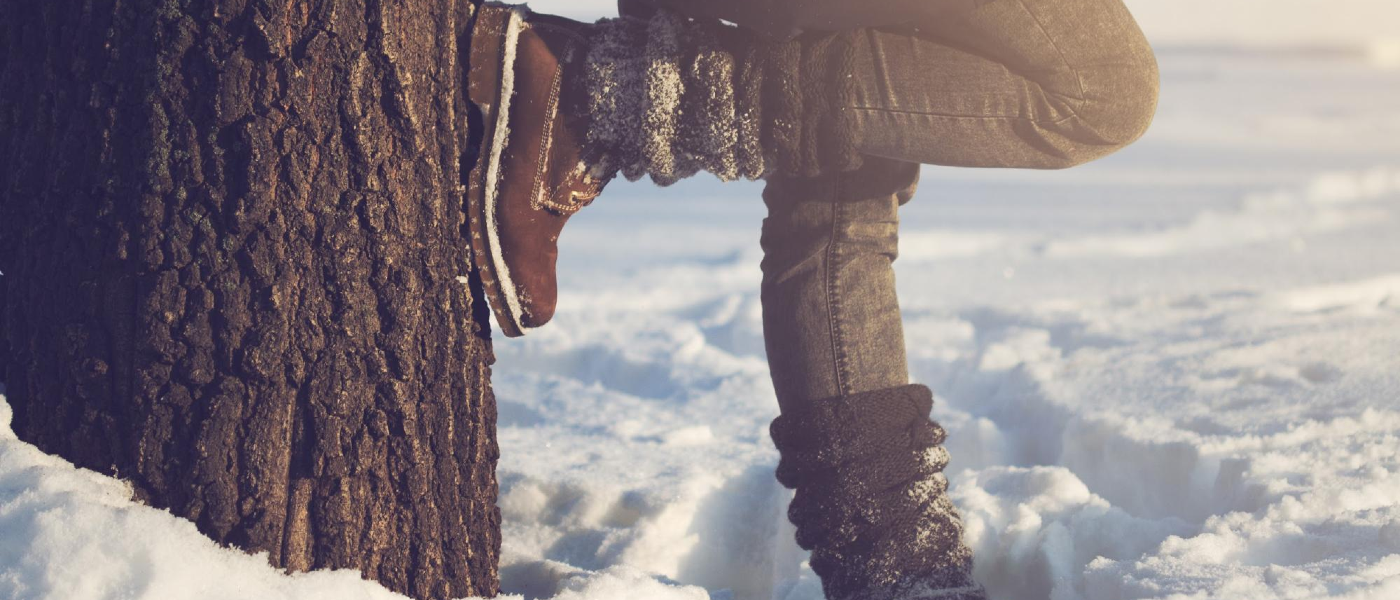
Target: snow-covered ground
1171,374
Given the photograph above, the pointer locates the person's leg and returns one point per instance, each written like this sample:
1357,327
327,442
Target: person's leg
856,440
1001,83
831,318
978,83
1004,83
989,83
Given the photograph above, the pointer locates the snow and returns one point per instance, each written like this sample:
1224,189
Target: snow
72,534
1170,374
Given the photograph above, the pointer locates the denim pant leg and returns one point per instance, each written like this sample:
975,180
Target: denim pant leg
1004,83
979,83
831,320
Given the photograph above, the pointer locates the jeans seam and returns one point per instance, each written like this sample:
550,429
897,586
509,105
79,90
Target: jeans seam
833,296
916,113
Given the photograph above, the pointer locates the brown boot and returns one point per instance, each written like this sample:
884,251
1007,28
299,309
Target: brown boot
567,105
528,179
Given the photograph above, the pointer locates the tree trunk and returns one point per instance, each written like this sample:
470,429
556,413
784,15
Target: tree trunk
234,273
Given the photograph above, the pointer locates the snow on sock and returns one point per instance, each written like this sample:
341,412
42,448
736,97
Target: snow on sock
872,502
710,135
662,102
615,82
669,97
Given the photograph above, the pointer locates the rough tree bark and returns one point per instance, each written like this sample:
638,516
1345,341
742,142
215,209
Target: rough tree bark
234,273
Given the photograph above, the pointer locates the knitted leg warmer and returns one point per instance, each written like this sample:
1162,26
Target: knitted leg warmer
669,97
872,502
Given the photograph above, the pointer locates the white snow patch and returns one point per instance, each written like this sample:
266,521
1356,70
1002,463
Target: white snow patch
71,534
1367,295
1331,202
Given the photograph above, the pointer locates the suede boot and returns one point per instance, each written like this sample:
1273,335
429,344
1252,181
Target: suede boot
529,177
871,501
566,106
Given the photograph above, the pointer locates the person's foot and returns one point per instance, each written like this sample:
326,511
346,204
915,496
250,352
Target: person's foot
529,177
871,499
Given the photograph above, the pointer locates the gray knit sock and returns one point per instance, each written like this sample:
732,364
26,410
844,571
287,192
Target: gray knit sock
872,502
670,97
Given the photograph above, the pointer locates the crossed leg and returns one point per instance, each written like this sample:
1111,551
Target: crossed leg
997,83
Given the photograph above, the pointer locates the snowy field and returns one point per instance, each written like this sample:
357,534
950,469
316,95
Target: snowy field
1171,374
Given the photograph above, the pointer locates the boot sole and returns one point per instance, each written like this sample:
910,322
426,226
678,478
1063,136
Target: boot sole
489,85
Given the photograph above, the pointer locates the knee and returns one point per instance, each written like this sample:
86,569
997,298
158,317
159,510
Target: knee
1129,106
1118,108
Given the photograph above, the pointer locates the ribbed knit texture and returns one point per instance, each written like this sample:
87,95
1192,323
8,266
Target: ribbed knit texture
710,134
670,97
662,97
872,502
615,82
749,114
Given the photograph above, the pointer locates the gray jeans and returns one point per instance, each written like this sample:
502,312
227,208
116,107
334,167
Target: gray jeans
988,83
